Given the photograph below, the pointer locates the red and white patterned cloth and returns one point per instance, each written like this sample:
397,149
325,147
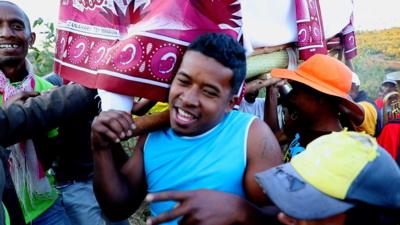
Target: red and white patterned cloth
134,47
27,84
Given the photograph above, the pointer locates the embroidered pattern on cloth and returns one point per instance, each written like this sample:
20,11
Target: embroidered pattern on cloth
135,47
348,40
27,84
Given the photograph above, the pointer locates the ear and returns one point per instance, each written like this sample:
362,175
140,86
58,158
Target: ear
32,39
285,219
231,103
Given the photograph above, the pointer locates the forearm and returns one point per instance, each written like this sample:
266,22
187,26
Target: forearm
111,188
19,121
148,123
141,108
270,109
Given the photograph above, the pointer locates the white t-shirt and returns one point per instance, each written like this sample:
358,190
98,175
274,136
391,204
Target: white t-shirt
256,108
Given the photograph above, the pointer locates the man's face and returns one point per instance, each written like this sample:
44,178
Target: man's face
15,35
200,94
300,108
387,88
251,96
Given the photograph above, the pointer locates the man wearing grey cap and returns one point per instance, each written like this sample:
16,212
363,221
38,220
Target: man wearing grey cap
341,178
387,86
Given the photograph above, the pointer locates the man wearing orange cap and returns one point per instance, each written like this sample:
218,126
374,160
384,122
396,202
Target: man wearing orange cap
319,94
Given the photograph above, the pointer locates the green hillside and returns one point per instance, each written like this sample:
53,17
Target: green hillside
378,54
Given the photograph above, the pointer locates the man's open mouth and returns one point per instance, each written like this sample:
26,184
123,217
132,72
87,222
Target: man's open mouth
184,116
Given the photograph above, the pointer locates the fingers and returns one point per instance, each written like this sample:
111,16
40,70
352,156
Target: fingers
115,125
261,83
179,210
21,97
270,81
281,82
168,195
120,124
28,94
175,213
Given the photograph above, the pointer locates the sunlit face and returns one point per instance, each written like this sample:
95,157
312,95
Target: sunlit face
15,34
200,94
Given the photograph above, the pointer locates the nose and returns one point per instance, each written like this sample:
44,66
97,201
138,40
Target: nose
190,97
6,31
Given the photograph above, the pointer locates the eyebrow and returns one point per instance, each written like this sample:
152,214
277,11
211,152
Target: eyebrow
182,73
215,88
17,20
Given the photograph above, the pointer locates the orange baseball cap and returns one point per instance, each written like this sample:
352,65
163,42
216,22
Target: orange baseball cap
325,74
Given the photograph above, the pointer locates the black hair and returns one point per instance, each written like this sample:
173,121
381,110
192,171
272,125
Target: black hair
23,12
226,51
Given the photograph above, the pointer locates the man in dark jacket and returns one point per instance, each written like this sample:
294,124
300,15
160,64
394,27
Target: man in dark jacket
73,168
21,120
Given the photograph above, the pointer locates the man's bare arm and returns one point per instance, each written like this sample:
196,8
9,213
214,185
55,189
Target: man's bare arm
263,152
119,184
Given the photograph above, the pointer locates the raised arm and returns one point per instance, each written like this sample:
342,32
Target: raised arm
119,182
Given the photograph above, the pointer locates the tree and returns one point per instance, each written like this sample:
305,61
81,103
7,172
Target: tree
42,57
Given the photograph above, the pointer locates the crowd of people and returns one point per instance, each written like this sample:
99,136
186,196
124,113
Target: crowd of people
313,150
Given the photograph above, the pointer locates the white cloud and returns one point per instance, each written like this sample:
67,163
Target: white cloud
372,14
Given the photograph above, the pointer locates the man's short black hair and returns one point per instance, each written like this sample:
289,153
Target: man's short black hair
226,51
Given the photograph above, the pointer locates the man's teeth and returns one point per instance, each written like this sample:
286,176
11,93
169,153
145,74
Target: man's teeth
8,46
184,114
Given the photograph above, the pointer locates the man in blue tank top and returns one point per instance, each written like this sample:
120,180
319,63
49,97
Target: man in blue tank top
208,146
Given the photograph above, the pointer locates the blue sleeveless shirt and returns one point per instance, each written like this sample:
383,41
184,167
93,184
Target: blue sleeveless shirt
214,160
